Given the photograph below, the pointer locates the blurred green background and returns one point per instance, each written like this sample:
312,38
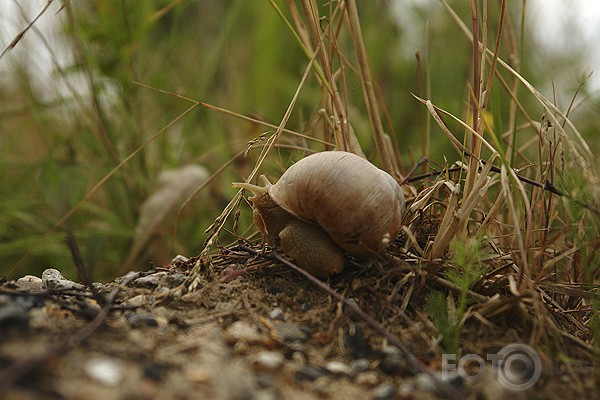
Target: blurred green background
71,110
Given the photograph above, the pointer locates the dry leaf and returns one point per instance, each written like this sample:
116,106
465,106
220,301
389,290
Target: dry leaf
174,188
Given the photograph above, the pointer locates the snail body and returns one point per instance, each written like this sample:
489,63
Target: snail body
325,205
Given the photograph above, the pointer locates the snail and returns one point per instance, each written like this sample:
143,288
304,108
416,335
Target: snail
325,205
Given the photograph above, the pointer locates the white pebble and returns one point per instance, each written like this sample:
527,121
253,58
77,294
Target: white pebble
53,279
276,313
267,360
179,258
30,283
107,371
240,331
136,301
338,368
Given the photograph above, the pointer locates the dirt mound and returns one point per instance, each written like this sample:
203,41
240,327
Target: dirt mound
253,329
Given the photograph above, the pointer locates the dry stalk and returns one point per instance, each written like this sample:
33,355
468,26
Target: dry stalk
345,139
552,112
393,340
521,259
23,32
219,223
454,217
474,105
300,26
491,214
447,227
387,159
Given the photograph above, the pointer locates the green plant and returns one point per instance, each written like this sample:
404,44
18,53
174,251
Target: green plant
465,268
245,87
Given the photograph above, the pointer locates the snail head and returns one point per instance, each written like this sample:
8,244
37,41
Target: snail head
267,216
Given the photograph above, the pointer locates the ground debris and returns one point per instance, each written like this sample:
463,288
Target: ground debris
130,338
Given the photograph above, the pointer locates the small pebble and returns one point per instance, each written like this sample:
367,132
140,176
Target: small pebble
368,378
299,358
264,380
267,360
240,331
426,383
160,290
107,371
406,389
393,361
13,315
175,280
338,368
53,279
25,301
309,373
136,301
323,385
179,259
276,313
137,320
359,365
30,283
148,281
385,391
290,332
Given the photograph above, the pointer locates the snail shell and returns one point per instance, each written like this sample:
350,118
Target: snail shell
327,204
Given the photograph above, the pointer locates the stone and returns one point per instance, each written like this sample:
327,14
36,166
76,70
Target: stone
136,301
276,313
30,283
290,332
148,281
140,320
359,365
427,383
240,331
13,315
393,361
179,259
267,360
368,378
338,368
385,391
175,280
309,373
107,371
53,279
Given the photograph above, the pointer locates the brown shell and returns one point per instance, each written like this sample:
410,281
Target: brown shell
357,204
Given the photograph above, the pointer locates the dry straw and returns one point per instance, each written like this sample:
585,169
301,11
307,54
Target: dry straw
534,248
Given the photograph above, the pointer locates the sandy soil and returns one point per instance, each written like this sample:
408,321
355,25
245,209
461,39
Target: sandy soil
251,330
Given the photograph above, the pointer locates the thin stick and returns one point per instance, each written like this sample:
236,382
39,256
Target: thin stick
367,85
448,389
101,183
547,186
11,374
21,34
